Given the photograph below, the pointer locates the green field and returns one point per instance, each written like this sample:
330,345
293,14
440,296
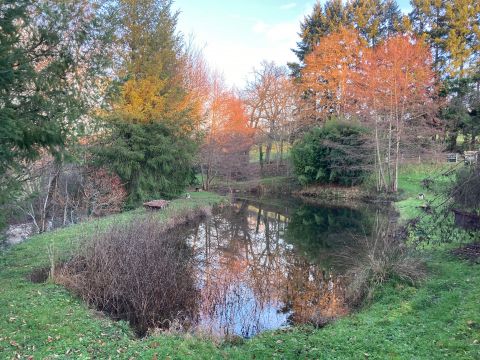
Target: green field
438,320
274,154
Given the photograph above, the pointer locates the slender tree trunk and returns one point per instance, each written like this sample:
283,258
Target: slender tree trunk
383,184
397,161
204,178
260,154
51,179
389,154
281,151
65,208
397,156
268,152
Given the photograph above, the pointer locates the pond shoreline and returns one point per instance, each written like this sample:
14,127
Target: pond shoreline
45,320
319,193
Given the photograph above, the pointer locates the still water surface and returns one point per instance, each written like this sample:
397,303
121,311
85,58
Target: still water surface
268,264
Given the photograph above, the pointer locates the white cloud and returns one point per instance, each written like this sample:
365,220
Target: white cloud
288,6
246,40
260,27
284,31
237,61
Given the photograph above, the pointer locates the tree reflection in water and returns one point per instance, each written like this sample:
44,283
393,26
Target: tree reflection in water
264,267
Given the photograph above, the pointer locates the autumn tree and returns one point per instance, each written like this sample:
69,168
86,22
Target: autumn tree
328,73
149,64
393,90
228,136
197,80
271,97
374,20
148,140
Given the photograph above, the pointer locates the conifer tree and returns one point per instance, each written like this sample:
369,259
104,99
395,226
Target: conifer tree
463,40
149,128
51,55
451,28
150,65
375,20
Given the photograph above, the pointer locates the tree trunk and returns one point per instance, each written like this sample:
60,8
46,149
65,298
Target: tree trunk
268,151
281,152
260,154
381,175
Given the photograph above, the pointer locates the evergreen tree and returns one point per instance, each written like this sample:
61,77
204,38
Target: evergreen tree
451,27
151,159
463,41
375,20
337,153
317,25
149,128
50,53
150,65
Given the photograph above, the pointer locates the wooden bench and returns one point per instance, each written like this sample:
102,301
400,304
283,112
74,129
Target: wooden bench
156,204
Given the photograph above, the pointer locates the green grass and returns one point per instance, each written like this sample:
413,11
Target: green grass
410,186
274,154
438,320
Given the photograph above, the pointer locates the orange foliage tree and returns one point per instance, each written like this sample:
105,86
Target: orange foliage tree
228,136
390,86
393,89
328,71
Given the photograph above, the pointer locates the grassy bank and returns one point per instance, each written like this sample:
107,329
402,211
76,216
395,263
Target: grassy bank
439,319
265,185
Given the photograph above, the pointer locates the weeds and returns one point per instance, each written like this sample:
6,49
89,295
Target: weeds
378,258
141,272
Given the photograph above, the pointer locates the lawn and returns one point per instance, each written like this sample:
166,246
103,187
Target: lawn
438,320
274,153
410,185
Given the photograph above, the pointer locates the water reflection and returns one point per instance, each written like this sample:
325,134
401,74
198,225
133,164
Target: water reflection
264,267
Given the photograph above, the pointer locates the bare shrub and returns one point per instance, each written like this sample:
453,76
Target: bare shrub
56,193
378,258
141,272
39,275
103,192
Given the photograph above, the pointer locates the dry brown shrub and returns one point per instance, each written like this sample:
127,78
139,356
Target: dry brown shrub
141,272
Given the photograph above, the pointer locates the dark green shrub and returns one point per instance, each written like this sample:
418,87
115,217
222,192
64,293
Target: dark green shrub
151,159
337,153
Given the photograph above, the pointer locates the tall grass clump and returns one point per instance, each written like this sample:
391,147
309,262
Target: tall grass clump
142,272
378,258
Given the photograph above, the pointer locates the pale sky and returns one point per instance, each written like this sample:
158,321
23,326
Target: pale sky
236,35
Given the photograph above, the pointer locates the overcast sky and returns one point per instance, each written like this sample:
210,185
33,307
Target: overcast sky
237,35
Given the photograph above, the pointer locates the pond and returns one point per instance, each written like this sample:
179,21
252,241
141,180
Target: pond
255,265
268,264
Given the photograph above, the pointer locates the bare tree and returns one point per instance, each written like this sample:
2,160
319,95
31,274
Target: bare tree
271,104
